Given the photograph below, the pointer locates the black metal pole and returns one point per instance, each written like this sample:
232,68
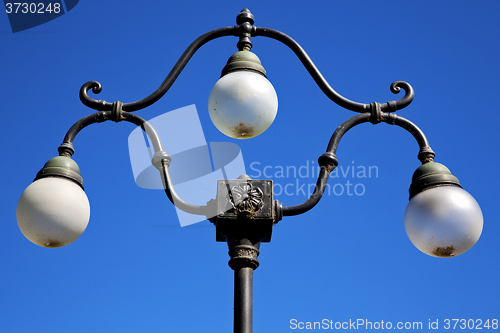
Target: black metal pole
244,252
243,300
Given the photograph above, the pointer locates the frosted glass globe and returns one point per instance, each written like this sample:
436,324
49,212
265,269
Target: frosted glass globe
53,212
242,104
443,221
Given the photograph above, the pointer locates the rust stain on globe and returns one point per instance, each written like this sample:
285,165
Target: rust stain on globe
243,130
444,252
51,243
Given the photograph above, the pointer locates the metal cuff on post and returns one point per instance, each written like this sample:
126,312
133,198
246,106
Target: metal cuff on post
243,256
66,149
116,112
376,113
329,161
159,157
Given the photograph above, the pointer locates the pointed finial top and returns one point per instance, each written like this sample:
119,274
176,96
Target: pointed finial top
245,16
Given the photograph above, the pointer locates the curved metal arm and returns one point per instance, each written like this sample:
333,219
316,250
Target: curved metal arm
328,161
326,88
174,197
66,147
161,160
389,118
167,83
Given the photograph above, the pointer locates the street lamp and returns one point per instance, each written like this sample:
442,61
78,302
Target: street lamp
243,103
441,219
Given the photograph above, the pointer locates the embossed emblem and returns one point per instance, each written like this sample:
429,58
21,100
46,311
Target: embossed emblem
246,198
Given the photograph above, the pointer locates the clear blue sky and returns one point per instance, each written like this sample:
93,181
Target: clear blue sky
136,270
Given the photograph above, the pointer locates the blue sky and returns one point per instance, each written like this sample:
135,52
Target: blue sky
136,270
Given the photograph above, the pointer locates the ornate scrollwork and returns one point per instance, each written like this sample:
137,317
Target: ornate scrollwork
90,102
403,102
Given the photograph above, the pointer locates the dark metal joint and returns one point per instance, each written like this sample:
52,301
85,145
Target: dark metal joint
246,28
426,155
244,44
66,149
329,161
116,112
159,158
376,113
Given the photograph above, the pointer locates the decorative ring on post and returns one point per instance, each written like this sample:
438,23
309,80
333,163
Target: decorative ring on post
376,113
243,256
116,112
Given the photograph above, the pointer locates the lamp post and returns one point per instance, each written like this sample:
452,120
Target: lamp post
441,219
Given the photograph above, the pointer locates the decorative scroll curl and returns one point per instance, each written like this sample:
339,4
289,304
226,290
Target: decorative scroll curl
401,103
90,102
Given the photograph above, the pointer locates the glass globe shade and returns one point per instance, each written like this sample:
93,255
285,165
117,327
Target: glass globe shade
443,221
242,104
53,212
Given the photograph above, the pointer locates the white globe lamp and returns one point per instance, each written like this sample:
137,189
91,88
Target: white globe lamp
243,103
54,210
441,219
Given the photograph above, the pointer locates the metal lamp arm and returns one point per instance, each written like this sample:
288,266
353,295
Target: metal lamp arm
326,88
328,161
117,115
174,197
167,83
161,159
